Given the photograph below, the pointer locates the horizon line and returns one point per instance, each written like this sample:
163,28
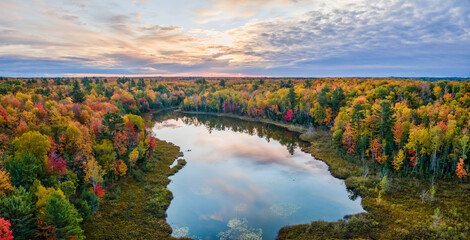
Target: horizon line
210,75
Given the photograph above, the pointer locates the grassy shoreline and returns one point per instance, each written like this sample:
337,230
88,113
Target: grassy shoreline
136,208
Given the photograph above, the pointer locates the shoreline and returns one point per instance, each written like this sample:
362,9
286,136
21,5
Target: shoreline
144,218
397,212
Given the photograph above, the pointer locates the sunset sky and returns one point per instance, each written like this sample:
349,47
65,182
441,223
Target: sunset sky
295,38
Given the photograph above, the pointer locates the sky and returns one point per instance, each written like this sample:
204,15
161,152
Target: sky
277,38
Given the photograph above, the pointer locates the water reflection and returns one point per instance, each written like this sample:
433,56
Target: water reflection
245,179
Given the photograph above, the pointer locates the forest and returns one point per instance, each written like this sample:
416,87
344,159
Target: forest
66,142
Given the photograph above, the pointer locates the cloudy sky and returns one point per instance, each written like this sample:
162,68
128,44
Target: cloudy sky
304,38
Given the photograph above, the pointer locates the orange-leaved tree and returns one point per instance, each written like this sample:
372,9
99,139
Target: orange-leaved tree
460,170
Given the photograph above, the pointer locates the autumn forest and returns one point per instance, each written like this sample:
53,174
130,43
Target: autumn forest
67,144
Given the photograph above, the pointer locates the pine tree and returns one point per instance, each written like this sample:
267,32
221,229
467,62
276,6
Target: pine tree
19,209
62,215
77,95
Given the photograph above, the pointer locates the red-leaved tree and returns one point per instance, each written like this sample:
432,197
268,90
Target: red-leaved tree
99,191
289,115
57,163
5,232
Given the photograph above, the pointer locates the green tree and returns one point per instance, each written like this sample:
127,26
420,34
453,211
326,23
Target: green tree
62,215
19,209
78,96
105,155
83,209
338,97
386,123
23,169
113,122
291,96
68,188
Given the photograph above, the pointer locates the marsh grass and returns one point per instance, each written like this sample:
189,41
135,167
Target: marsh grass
136,209
397,212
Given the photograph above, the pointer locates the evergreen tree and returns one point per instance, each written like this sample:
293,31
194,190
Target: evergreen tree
23,169
19,209
386,124
291,97
77,95
113,121
62,215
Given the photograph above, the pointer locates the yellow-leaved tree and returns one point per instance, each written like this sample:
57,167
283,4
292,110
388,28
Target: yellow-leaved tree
398,160
5,183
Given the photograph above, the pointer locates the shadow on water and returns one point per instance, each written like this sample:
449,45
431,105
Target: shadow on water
267,131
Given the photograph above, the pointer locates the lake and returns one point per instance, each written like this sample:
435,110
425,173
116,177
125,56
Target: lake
246,180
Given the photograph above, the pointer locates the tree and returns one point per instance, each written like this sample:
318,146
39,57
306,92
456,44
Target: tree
386,124
99,191
93,172
34,143
120,142
42,193
307,83
319,113
120,168
464,145
68,188
23,169
349,139
136,120
291,96
19,209
105,154
73,140
289,115
398,133
57,163
338,97
437,91
91,199
113,122
153,142
5,232
78,96
133,157
377,154
398,160
5,183
60,214
460,170
83,209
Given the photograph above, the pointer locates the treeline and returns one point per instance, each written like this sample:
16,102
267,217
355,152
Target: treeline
404,127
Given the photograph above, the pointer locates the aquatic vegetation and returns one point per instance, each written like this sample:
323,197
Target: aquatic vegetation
240,230
284,209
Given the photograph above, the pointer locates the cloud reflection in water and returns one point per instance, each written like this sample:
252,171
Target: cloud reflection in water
237,178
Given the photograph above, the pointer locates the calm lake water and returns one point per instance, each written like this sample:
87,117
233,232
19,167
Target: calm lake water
245,179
